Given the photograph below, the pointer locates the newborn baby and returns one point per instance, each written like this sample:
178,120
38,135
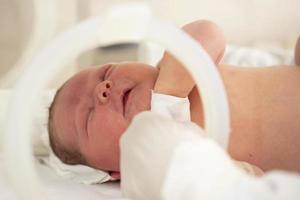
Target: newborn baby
93,108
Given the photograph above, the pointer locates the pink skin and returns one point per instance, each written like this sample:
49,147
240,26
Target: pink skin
94,108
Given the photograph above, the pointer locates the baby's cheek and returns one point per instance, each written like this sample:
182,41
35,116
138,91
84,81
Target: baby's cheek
141,100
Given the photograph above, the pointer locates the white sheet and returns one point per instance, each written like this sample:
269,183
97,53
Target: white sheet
58,189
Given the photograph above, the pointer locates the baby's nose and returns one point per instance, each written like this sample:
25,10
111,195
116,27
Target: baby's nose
103,91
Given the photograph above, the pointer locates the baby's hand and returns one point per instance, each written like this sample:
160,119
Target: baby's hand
173,79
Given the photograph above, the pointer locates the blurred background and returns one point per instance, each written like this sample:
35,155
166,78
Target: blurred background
258,23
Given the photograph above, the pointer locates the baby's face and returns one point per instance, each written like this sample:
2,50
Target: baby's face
95,107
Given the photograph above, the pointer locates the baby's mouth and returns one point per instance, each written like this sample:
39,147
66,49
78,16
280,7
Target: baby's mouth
125,99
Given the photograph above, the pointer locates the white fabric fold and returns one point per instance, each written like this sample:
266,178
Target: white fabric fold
166,159
176,108
146,150
78,173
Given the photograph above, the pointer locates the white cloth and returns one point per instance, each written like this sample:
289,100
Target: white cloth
173,107
146,149
78,173
253,57
165,159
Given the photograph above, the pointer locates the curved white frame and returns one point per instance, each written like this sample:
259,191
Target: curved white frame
123,24
43,26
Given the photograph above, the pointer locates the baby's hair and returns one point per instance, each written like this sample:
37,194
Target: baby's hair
67,156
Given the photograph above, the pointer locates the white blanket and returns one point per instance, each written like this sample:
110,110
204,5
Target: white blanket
165,159
59,188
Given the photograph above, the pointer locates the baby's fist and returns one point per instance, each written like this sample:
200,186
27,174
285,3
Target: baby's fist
173,78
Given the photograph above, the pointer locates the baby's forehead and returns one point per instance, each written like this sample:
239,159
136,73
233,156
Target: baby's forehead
80,77
74,86
77,80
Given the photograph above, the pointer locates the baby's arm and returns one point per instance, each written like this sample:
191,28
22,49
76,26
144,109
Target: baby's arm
173,79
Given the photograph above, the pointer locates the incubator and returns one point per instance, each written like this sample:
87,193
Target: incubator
138,25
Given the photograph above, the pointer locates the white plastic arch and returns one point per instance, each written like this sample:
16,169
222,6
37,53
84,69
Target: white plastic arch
131,23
